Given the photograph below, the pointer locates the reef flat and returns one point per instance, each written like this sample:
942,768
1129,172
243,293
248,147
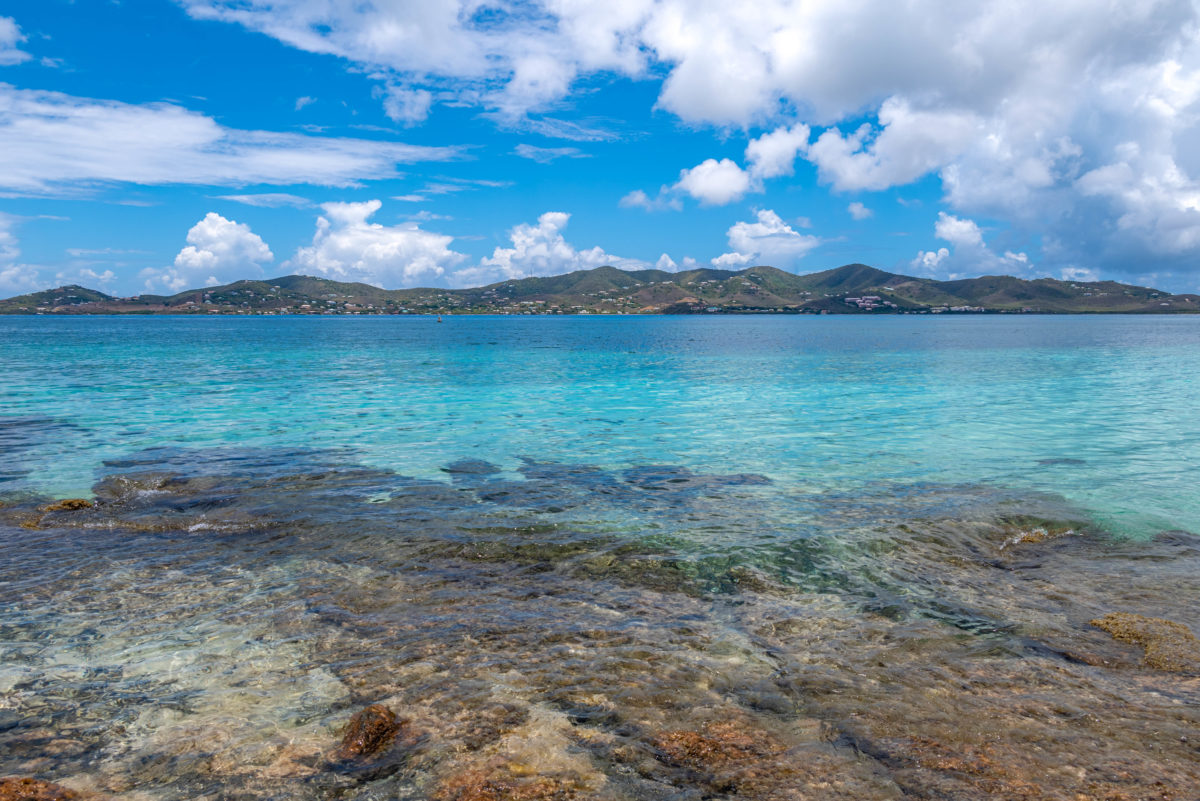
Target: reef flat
222,625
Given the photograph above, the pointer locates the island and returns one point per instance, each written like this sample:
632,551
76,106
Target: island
850,289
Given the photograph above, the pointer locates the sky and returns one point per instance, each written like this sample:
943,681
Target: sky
158,145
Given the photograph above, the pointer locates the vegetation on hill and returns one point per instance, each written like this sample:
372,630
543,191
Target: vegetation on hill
851,289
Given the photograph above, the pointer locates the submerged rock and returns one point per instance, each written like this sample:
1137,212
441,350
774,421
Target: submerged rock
479,785
68,505
718,747
370,730
1169,645
14,789
471,467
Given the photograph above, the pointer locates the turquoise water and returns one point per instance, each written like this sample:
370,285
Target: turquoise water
610,558
1101,410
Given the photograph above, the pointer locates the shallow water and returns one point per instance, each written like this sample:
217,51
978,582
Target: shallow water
599,558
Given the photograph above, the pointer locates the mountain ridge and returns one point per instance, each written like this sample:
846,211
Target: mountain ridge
849,289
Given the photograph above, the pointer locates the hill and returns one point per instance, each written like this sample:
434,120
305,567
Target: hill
850,289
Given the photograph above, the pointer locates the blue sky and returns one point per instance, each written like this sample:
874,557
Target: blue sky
156,145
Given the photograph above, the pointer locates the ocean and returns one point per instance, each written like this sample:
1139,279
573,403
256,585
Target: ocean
612,557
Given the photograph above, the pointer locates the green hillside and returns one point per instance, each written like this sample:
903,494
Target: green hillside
850,289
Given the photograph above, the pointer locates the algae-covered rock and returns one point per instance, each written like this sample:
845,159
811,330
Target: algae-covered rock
1169,645
68,505
717,747
479,785
370,730
17,789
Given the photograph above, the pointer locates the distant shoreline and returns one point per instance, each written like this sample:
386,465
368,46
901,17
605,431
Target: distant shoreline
853,289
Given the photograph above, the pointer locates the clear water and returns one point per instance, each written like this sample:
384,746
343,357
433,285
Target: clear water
1101,410
599,557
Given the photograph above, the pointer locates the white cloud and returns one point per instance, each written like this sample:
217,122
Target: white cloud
958,232
347,247
55,142
269,200
768,240
715,182
407,105
927,261
301,102
908,145
639,199
774,154
539,249
85,276
547,155
218,251
15,278
10,37
1079,274
732,261
969,254
858,211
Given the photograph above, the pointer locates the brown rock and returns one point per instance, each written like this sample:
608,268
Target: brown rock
370,730
14,789
719,747
478,785
1169,645
68,505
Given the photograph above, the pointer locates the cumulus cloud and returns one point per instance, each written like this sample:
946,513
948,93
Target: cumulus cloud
55,142
774,153
969,254
218,251
960,233
715,182
858,211
347,247
907,145
539,249
767,240
10,38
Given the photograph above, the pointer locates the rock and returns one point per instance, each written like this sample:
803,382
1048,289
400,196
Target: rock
14,789
1169,645
471,467
370,730
68,505
478,785
719,746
